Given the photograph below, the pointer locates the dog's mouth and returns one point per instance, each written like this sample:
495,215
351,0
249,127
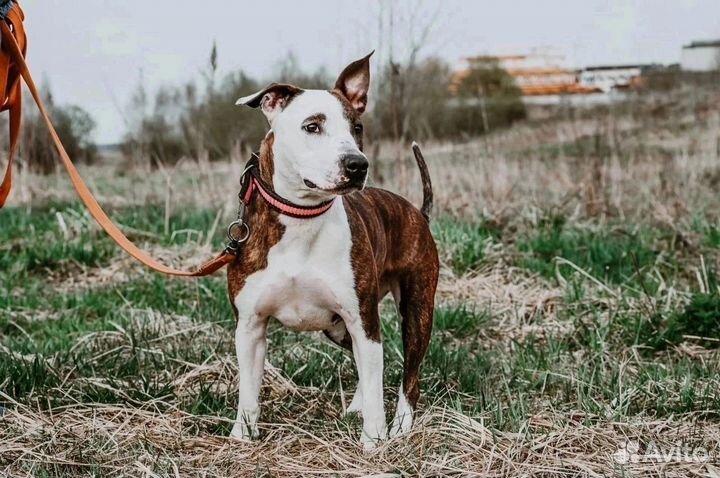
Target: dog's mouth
343,188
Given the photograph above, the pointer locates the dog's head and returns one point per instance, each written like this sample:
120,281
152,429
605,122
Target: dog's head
318,134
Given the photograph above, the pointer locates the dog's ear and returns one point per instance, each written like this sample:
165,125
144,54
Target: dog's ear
272,99
354,82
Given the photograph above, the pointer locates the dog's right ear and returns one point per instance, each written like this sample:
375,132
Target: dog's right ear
272,99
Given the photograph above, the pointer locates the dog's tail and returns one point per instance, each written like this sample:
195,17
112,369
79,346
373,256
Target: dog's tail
427,204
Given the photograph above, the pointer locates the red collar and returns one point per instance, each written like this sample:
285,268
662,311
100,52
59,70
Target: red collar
251,182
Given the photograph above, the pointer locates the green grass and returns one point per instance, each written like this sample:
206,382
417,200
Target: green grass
34,243
464,243
128,341
700,319
616,255
709,231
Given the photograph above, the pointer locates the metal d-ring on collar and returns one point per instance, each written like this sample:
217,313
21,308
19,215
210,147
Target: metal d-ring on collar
239,225
234,242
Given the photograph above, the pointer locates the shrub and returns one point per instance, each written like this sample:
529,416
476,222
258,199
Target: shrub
427,103
489,99
74,125
190,121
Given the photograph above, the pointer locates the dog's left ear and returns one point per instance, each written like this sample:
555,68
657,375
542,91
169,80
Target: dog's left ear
354,82
272,99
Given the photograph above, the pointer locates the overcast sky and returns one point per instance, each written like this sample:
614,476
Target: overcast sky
92,51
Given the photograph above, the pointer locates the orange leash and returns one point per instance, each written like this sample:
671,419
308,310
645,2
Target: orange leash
10,45
10,88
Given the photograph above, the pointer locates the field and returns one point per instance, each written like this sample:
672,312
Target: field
577,320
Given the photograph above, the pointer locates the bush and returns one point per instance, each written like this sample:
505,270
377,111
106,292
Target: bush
409,102
417,107
426,103
190,121
489,99
74,125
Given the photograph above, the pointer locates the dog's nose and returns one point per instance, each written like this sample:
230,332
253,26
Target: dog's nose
355,166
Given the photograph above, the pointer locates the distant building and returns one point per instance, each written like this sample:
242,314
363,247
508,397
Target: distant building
544,77
611,77
701,56
540,72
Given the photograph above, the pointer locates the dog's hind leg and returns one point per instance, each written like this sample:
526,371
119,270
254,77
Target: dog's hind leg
339,335
416,303
368,353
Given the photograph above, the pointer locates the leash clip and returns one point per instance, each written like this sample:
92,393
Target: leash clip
242,229
238,231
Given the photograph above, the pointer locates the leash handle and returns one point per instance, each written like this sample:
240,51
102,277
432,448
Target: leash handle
12,16
11,46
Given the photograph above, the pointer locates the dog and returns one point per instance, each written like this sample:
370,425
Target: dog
322,250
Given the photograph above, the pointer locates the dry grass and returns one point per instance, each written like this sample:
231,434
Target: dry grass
143,441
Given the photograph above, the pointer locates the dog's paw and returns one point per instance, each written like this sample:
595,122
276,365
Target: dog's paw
369,444
245,427
403,420
242,432
370,441
355,404
401,424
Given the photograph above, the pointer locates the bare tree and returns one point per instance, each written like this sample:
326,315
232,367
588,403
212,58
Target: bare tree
405,31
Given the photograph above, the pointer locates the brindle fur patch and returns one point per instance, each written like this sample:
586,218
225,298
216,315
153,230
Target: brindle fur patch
265,231
393,249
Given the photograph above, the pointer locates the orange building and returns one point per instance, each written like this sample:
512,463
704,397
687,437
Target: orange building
541,72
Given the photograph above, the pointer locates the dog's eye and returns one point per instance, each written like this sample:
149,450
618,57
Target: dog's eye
358,128
312,128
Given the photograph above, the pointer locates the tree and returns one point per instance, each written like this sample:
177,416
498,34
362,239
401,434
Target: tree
192,121
426,112
489,98
74,126
288,70
405,32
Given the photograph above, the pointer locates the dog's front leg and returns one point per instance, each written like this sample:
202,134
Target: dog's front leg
250,346
368,354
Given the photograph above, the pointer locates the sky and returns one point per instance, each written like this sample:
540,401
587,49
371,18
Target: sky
94,52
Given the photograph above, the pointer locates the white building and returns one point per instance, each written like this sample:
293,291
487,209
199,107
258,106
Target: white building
701,56
609,78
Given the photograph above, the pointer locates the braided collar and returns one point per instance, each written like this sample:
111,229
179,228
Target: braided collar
252,183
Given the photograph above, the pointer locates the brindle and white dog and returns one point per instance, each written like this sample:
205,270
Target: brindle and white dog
329,272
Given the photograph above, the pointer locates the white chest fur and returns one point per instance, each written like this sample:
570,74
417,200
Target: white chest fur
309,276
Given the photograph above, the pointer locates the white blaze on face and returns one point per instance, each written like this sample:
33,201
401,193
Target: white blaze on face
315,157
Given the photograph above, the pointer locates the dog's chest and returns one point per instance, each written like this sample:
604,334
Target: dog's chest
308,278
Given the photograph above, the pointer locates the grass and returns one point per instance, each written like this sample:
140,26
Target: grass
700,320
709,231
615,255
164,347
577,311
464,243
